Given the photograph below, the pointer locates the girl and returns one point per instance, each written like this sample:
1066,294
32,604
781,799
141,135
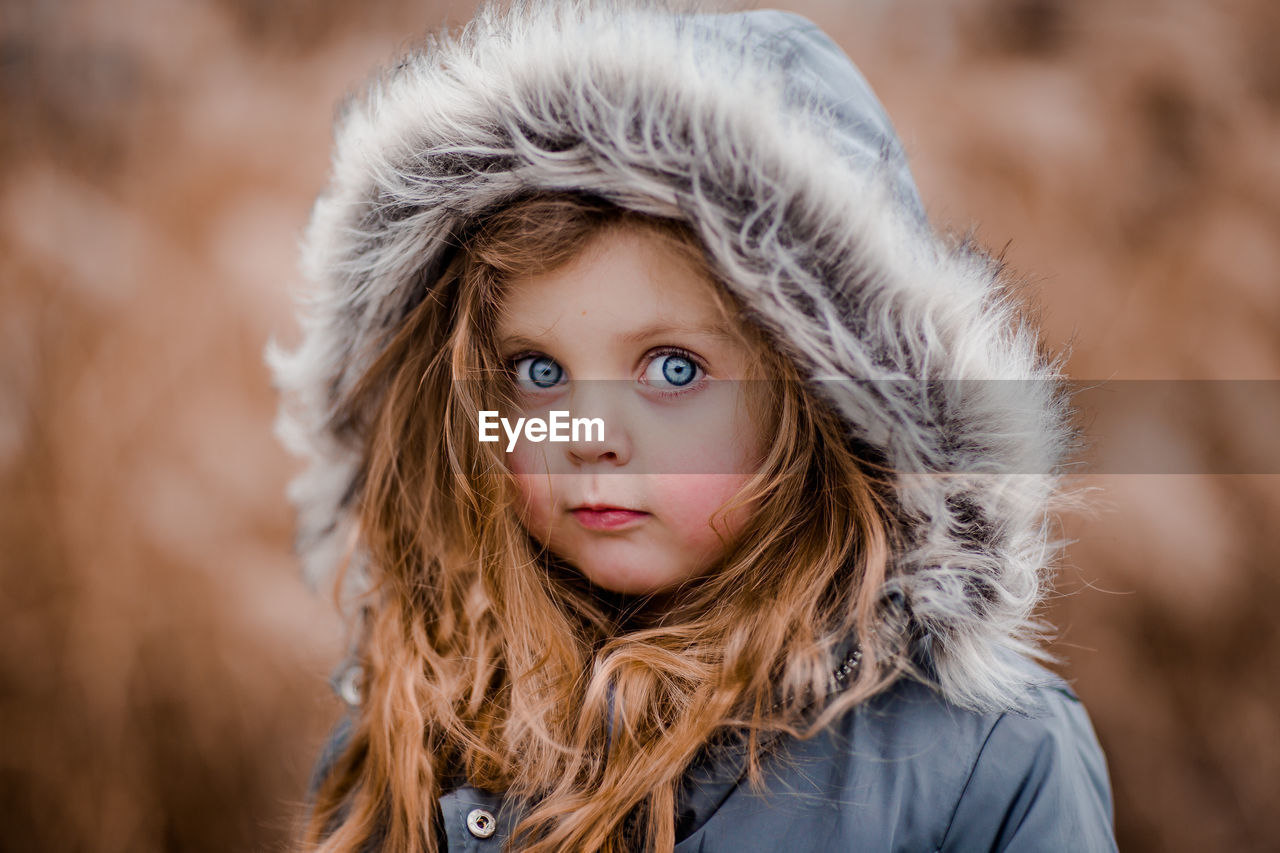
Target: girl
783,599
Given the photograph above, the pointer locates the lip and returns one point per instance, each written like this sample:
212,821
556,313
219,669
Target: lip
606,517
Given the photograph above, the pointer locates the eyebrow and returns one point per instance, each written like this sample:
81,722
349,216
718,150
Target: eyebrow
653,330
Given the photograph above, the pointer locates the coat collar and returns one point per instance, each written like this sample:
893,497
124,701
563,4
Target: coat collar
719,768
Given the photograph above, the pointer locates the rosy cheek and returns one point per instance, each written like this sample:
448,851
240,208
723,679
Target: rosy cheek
689,502
536,498
525,459
529,465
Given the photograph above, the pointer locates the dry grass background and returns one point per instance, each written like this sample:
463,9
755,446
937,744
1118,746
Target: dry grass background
162,666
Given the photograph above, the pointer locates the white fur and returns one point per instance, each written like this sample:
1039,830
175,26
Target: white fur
927,308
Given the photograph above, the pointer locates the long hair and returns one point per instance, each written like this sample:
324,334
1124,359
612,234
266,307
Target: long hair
489,661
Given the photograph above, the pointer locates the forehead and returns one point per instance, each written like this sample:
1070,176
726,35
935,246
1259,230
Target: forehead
625,279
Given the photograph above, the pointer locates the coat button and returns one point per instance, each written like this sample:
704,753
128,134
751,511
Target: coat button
481,823
351,685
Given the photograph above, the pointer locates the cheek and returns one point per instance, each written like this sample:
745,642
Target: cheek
689,504
536,500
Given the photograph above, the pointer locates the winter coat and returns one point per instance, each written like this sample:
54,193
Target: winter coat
906,771
759,132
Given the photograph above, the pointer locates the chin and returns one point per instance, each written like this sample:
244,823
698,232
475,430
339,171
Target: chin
628,580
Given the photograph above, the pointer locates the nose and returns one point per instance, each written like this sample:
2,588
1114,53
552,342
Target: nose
611,446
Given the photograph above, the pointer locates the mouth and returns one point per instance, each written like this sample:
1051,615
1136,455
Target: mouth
607,517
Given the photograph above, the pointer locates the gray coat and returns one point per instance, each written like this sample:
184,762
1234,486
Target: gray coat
756,130
905,772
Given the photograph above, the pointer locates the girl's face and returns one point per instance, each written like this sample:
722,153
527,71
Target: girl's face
629,332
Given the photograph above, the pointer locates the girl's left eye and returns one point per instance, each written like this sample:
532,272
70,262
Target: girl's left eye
673,370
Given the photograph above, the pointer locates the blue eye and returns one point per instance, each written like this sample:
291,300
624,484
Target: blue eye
538,371
672,371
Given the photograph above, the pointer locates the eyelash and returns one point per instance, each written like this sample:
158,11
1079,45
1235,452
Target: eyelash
685,354
659,352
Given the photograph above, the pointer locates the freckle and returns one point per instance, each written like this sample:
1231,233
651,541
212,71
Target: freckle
584,313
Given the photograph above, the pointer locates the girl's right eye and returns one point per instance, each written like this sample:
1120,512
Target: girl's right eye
537,372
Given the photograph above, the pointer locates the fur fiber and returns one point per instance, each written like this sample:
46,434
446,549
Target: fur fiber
755,128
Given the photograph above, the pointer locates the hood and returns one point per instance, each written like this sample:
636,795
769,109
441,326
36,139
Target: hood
756,129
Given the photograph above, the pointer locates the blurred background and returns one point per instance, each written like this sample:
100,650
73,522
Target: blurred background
162,664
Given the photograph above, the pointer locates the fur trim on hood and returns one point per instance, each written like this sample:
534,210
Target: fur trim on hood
756,129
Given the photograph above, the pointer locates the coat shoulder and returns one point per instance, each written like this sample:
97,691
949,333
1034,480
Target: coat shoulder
1039,781
909,770
1032,777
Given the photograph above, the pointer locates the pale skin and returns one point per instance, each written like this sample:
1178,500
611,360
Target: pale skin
633,512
